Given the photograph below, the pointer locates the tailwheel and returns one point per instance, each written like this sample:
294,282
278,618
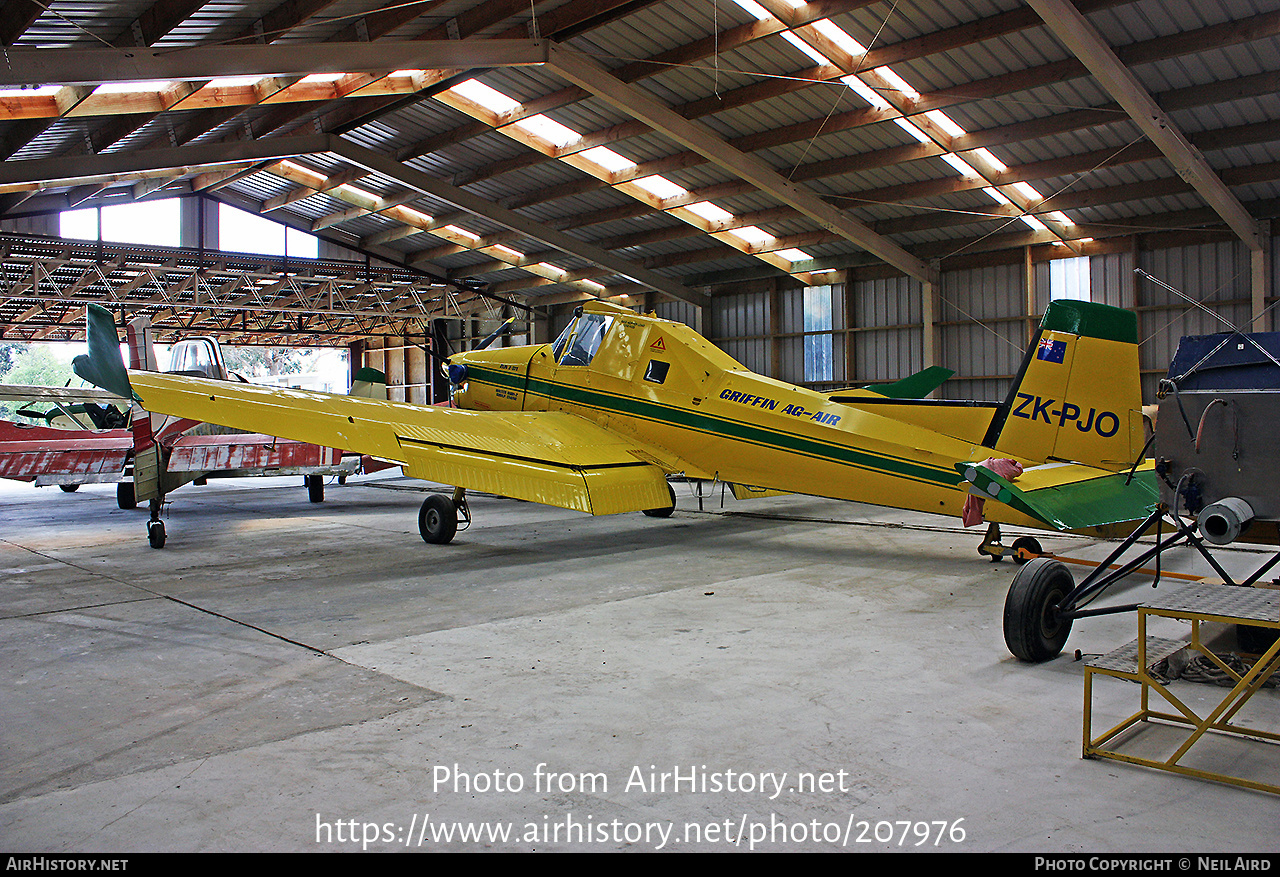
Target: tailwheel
1034,628
664,512
1026,548
155,534
438,519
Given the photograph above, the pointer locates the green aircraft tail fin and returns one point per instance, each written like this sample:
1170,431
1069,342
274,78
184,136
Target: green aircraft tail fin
103,366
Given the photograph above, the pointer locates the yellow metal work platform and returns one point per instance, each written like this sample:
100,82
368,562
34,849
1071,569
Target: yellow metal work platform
1196,603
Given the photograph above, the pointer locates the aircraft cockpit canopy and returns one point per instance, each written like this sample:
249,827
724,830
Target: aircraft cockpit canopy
197,356
580,340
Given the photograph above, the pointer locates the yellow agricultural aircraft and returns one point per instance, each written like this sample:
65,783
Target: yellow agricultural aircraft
598,420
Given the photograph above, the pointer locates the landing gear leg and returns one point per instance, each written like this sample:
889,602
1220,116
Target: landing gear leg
464,510
991,546
155,526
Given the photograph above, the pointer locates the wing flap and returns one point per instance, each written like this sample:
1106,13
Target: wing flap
599,490
1070,496
748,491
541,456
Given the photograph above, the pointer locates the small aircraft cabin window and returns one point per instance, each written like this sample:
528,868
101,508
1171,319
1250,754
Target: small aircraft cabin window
578,343
656,373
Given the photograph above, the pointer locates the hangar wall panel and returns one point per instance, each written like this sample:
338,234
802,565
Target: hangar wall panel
1216,276
884,340
740,326
678,312
983,330
48,225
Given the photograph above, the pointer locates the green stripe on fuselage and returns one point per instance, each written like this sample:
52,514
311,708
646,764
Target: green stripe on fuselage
716,426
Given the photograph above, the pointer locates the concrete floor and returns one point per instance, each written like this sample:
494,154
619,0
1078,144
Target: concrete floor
285,676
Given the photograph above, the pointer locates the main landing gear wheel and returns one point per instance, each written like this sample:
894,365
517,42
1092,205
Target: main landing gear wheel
126,498
155,534
438,519
69,488
315,488
666,512
1033,628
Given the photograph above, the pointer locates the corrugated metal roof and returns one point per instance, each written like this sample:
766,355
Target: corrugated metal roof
989,65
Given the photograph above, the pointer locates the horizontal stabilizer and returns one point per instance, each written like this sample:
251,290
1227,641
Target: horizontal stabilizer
1070,496
916,386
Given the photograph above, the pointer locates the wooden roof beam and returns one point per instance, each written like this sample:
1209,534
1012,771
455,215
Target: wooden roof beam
1084,41
589,75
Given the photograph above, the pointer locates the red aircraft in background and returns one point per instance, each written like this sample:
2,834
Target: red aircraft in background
88,439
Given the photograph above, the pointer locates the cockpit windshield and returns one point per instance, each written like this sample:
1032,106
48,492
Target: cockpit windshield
195,356
580,340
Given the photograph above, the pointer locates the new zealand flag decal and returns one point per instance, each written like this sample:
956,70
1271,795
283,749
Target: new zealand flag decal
1051,351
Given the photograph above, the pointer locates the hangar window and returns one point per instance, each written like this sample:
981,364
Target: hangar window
817,329
155,223
242,232
1069,278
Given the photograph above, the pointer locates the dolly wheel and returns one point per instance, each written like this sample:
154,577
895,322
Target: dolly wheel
1033,629
1024,546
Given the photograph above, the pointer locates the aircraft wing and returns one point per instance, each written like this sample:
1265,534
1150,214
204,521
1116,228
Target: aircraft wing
1070,496
247,451
29,393
553,458
31,452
